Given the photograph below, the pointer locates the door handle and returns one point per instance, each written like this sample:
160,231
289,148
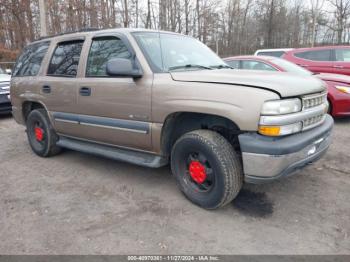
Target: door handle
338,66
303,65
85,91
46,89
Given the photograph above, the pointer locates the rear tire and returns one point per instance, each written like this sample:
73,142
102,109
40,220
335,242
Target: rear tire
207,169
41,135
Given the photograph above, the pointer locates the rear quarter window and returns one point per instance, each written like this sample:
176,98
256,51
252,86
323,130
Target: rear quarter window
29,62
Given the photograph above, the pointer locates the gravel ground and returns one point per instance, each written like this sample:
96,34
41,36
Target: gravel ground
80,204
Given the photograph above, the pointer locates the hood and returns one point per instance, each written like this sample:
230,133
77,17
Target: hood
286,85
5,78
335,78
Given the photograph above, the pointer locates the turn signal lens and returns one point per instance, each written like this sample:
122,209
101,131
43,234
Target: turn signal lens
280,130
269,130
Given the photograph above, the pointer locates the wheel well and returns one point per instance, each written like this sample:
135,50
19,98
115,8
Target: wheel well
29,106
178,124
330,106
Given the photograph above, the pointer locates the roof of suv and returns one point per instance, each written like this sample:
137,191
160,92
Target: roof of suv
90,31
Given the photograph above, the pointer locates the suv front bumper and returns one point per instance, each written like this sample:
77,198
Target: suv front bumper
266,158
5,104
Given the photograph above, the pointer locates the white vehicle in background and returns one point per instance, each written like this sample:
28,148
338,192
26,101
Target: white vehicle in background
5,103
277,52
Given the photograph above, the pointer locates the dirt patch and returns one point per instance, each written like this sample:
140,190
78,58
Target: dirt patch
253,204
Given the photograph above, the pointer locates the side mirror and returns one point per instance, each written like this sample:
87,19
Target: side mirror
8,71
122,67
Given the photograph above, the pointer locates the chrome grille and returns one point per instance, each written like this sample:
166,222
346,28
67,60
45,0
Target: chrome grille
4,88
4,84
313,121
314,100
310,102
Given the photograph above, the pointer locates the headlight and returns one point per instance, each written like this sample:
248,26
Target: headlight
343,89
280,130
281,107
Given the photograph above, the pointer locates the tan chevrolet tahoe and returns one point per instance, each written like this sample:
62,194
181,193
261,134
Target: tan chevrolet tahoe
151,98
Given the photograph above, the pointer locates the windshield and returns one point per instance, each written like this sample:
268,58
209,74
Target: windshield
2,71
167,52
290,67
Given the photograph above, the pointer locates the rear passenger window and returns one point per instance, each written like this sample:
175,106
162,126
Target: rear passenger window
233,63
255,65
29,63
102,50
65,59
342,55
319,55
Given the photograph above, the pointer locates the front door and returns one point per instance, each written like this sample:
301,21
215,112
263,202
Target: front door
113,110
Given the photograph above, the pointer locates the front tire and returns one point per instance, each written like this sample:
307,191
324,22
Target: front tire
41,136
207,169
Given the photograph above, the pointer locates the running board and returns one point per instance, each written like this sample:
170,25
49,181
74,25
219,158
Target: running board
125,155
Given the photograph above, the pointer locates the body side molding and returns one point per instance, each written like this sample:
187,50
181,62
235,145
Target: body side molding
103,122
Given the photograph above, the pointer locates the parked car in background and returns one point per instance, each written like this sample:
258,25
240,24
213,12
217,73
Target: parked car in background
329,59
5,103
277,52
338,85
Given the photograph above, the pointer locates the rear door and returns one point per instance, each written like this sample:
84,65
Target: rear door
58,86
25,74
318,61
113,110
342,63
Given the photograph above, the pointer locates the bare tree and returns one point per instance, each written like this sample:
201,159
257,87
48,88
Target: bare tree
316,8
148,21
230,27
341,13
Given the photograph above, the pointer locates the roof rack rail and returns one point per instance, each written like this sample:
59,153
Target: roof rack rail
89,29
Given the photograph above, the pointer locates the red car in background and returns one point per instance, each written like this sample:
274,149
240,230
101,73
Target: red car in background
328,59
338,85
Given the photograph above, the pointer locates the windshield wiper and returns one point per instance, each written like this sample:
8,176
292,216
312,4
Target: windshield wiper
189,66
221,66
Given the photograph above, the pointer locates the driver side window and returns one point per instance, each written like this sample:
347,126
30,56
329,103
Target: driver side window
102,50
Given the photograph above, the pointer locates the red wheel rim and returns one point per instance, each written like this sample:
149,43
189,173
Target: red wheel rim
197,172
39,134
